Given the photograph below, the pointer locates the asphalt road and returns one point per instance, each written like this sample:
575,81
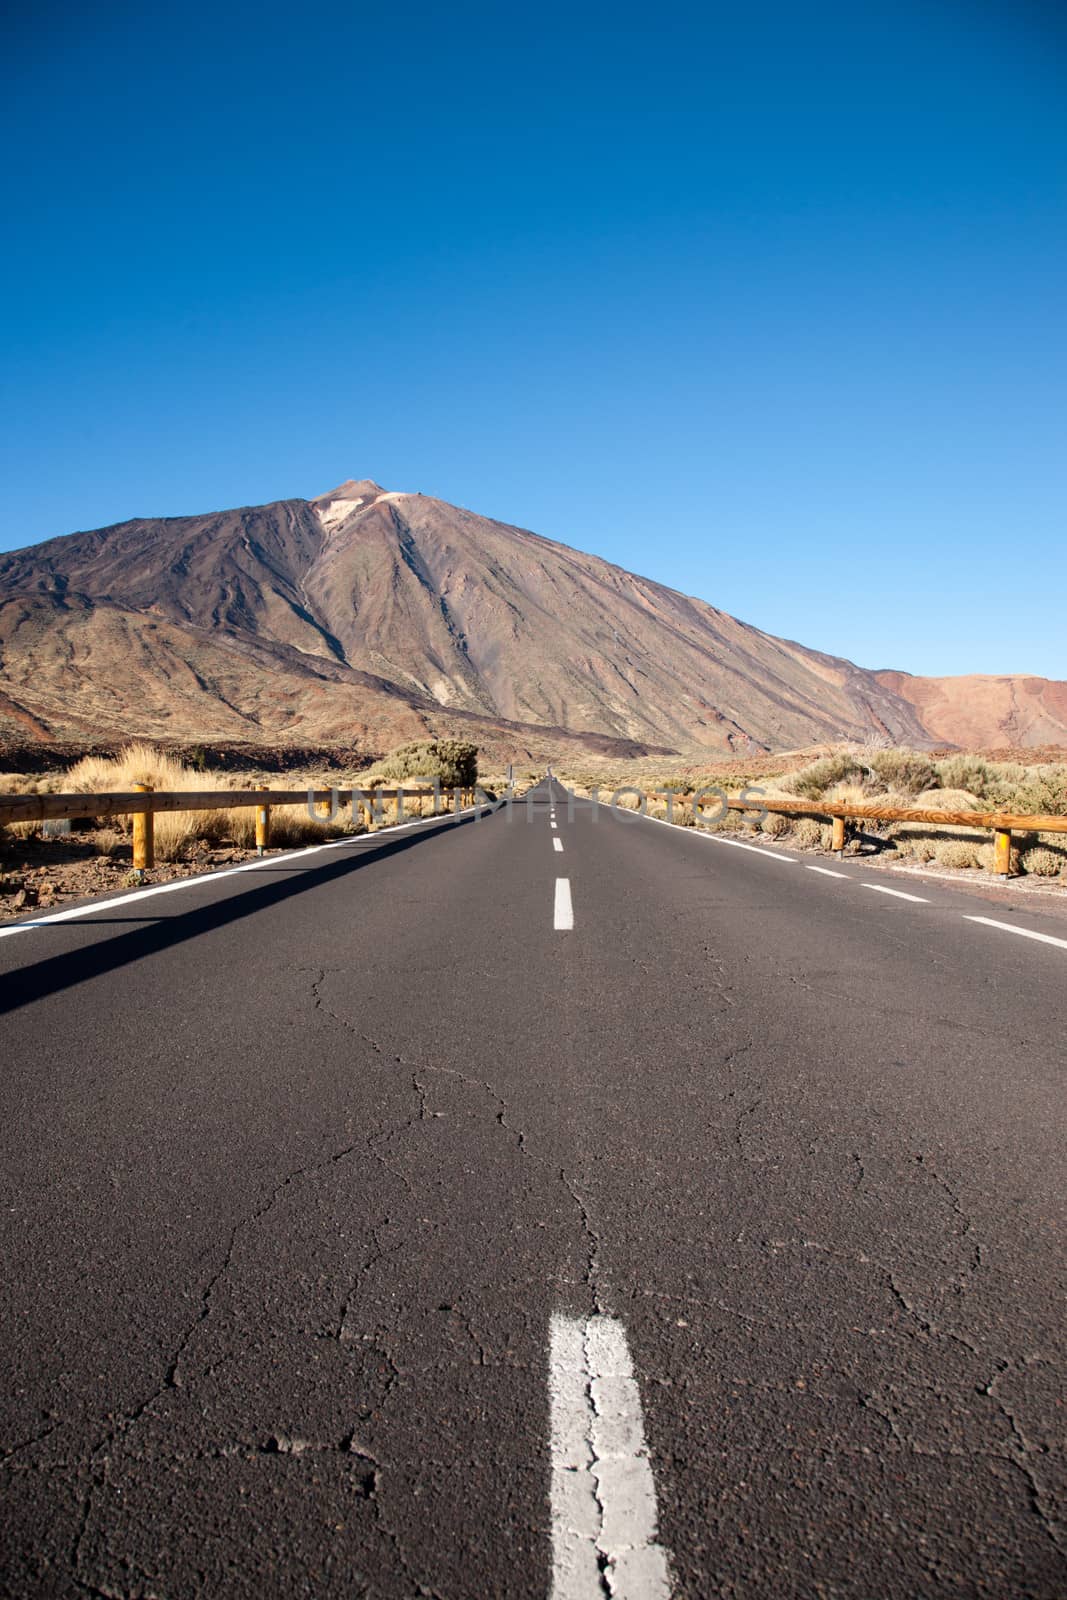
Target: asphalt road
367,1233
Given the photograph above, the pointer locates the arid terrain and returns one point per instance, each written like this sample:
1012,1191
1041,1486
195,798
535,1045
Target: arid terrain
39,872
366,617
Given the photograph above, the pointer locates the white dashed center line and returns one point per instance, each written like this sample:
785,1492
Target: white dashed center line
557,844
603,1494
826,871
898,894
1024,933
564,912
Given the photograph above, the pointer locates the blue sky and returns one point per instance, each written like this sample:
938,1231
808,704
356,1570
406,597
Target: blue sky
768,302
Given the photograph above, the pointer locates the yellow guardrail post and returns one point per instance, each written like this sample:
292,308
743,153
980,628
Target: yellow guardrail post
263,823
1002,851
144,836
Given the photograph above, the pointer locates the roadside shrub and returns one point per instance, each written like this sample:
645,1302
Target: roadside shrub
807,833
957,853
1043,792
944,800
908,771
775,825
453,761
848,794
1043,862
290,827
925,841
729,822
141,763
812,781
963,772
176,831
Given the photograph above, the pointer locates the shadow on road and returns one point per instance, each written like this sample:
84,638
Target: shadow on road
52,974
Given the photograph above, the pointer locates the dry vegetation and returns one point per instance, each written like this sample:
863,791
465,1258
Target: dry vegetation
38,870
96,855
906,778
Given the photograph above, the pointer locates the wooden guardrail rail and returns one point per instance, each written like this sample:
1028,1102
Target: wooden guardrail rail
1002,824
142,803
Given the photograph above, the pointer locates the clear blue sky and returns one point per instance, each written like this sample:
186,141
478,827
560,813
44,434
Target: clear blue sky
765,301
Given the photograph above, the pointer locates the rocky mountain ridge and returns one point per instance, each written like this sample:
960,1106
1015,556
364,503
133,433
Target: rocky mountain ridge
376,615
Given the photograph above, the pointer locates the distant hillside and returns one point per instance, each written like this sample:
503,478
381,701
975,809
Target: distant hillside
986,713
375,616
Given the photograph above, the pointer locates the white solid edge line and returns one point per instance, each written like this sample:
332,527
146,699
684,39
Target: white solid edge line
72,913
563,911
1024,933
898,894
826,871
602,1494
709,838
557,844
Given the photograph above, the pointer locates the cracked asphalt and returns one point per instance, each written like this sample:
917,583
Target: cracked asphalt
298,1165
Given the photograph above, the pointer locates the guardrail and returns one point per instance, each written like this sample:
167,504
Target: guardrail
143,802
1002,824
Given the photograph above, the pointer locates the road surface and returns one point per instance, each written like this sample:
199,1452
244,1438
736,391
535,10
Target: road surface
554,1203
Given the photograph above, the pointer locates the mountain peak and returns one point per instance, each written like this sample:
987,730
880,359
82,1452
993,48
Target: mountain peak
351,612
353,489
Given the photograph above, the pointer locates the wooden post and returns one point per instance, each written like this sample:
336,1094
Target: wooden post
1002,851
837,841
263,823
144,836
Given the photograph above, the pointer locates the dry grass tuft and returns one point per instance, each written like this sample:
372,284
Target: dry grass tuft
1044,861
177,831
775,825
957,852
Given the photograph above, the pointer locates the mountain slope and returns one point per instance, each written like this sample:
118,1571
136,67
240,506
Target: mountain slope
985,712
376,614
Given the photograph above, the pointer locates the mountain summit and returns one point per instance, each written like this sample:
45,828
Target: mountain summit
374,614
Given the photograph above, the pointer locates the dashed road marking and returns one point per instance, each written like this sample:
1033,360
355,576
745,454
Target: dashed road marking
898,894
826,871
737,844
557,844
552,822
1024,933
603,1495
564,910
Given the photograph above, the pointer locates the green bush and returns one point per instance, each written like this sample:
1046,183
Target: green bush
812,782
1043,792
963,772
454,762
907,771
